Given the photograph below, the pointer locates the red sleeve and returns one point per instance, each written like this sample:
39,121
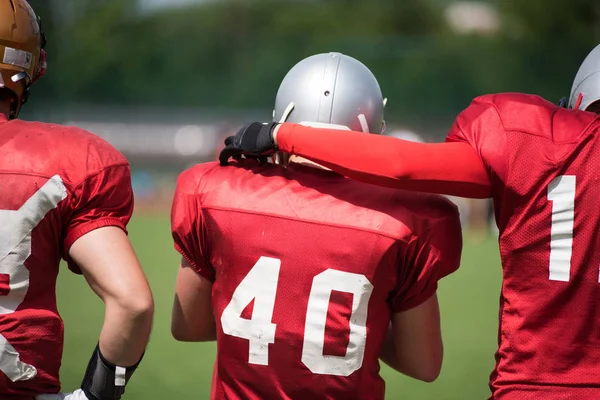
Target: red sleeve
444,168
480,126
187,227
103,199
431,256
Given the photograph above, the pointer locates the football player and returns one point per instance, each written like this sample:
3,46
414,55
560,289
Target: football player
541,164
64,193
298,272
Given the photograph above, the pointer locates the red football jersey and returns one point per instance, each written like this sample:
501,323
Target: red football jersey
58,183
542,163
307,268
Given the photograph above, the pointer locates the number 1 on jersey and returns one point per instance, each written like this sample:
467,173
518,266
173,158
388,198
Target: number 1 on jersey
561,193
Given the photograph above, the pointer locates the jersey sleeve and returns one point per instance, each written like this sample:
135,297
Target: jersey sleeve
187,227
103,199
430,257
443,168
480,125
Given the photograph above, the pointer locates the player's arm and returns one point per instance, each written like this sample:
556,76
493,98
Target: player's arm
470,162
413,345
96,245
112,270
192,319
459,167
414,342
445,168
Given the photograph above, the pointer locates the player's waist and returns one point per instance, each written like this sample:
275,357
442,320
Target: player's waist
27,386
293,383
559,373
27,320
232,393
32,314
9,396
549,392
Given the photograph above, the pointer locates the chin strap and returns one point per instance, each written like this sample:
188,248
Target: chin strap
579,101
286,113
43,66
278,157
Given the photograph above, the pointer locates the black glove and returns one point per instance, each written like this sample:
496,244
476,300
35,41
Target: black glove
254,140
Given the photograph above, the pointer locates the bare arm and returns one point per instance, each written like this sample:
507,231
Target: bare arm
444,168
413,345
112,270
192,319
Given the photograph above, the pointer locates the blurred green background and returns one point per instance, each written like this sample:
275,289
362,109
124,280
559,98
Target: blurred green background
166,80
430,56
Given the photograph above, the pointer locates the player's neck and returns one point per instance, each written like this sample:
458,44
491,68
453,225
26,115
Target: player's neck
305,162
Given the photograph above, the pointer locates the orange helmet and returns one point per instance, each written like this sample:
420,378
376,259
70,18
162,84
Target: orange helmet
22,56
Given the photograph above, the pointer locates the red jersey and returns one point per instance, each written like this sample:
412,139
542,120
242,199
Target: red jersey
308,267
58,183
542,163
539,164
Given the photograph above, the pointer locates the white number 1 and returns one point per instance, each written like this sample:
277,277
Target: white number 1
561,193
260,285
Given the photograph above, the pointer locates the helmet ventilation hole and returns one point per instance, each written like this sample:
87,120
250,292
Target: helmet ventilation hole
326,93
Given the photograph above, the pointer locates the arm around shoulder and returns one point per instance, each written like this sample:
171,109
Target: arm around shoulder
444,168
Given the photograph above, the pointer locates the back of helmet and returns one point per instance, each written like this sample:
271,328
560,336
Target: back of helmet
585,93
331,89
22,59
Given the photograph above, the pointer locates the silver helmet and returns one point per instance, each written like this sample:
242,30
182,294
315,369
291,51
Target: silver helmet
331,89
587,82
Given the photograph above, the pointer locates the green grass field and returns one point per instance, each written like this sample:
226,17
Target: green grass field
173,371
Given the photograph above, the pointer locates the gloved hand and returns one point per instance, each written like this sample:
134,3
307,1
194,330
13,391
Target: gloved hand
253,140
76,395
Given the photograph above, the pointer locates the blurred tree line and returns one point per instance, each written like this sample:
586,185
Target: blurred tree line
234,53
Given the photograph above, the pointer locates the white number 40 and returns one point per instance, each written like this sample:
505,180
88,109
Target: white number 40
260,285
561,193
